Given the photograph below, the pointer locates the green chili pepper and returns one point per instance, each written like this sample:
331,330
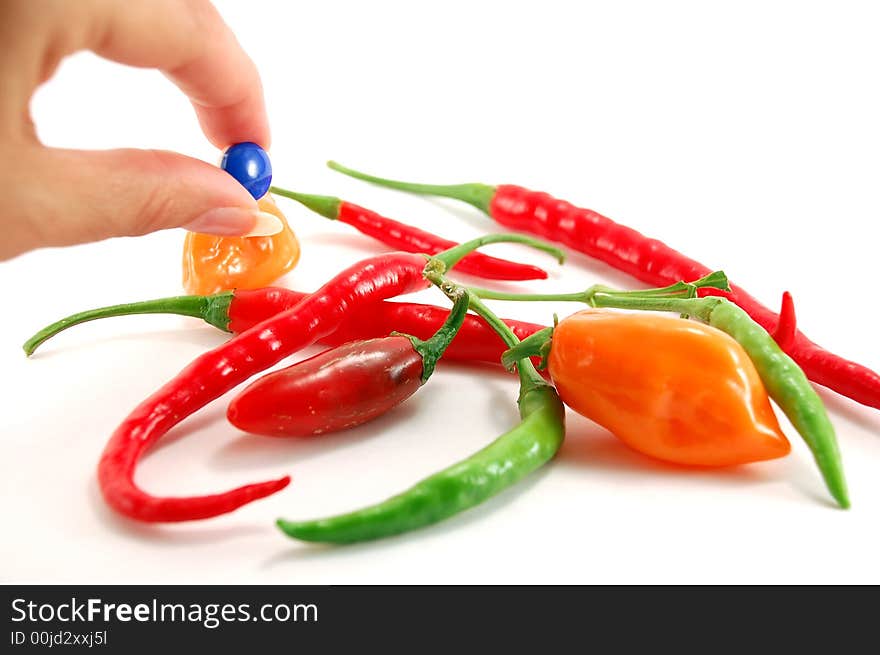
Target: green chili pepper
496,467
784,380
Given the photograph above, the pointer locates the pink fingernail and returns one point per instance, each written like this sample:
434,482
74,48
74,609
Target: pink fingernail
236,222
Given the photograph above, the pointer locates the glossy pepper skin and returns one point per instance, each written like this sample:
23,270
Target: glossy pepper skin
407,238
223,368
337,389
646,259
471,481
783,379
673,389
239,310
343,387
212,264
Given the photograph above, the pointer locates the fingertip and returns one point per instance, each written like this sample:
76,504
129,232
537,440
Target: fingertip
243,121
236,222
100,194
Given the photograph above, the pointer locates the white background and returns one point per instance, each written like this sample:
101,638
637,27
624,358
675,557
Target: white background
744,135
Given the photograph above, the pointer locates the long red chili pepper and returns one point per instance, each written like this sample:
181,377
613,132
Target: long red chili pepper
411,239
646,259
219,370
475,342
240,310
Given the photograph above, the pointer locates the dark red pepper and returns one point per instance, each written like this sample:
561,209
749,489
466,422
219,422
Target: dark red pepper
646,259
342,387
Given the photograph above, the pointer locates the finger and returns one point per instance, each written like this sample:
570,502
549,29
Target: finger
185,39
194,47
90,195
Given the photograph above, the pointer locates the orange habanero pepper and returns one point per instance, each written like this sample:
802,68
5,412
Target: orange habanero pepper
212,264
670,388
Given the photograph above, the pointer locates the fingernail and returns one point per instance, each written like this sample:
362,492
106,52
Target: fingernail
236,222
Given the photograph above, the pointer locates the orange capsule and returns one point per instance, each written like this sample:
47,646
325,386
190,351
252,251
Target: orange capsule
670,388
212,264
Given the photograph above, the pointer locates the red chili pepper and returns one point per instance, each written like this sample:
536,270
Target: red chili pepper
345,386
219,370
411,239
646,259
239,310
786,328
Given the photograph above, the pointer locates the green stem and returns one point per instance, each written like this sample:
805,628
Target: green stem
327,206
716,280
534,345
698,307
476,194
452,256
432,349
213,309
529,377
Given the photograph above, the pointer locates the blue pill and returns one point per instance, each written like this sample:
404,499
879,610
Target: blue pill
249,164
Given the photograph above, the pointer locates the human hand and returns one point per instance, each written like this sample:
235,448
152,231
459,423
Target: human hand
101,194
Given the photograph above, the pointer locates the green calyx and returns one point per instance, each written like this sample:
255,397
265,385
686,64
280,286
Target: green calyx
213,309
476,194
216,309
327,206
432,349
535,345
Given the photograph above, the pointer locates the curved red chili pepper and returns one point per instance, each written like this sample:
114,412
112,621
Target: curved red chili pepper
219,370
407,238
475,342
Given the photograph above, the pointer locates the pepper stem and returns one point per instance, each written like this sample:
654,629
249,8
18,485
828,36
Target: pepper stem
476,194
432,349
213,309
449,258
327,206
534,345
716,280
529,377
700,308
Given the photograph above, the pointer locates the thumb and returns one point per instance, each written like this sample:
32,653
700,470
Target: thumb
83,196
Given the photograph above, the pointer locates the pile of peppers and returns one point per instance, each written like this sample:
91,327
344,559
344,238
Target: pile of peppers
693,389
